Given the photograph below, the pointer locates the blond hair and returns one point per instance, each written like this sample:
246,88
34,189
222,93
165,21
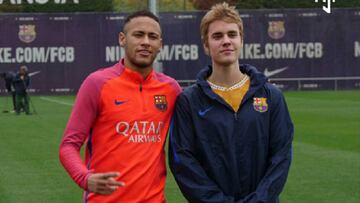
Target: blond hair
221,11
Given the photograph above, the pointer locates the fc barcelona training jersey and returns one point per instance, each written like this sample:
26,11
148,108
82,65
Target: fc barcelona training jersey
124,119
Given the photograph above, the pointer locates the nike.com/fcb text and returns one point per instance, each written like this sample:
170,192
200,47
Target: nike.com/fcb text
297,50
37,55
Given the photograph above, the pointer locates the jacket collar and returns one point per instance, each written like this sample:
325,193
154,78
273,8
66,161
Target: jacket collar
132,75
257,80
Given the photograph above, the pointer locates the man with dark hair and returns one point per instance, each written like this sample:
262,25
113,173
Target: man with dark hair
123,112
21,82
143,13
9,78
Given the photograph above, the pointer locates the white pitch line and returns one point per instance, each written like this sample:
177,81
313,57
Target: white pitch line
56,101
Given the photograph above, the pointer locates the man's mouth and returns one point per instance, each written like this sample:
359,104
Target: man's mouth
227,51
144,52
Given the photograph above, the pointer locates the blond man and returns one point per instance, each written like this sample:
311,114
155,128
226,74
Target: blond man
231,134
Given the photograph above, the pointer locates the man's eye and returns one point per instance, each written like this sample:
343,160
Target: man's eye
138,35
233,34
153,37
217,36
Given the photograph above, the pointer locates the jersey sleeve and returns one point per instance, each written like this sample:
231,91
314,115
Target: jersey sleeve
78,130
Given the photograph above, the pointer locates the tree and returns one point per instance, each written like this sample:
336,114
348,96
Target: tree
251,4
206,4
51,6
163,5
129,5
7,7
175,5
84,6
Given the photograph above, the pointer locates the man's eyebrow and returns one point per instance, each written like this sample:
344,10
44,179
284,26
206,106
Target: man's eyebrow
148,33
142,31
154,33
137,31
217,33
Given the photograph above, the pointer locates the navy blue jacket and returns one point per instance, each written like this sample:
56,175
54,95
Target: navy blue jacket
21,85
9,78
218,155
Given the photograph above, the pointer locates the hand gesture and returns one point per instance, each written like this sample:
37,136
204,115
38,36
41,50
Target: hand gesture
104,183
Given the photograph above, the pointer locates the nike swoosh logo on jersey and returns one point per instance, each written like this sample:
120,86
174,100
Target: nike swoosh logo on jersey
268,73
203,112
119,102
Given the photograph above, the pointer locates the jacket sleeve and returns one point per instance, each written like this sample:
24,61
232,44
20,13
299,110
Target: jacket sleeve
280,153
27,82
77,131
193,181
16,79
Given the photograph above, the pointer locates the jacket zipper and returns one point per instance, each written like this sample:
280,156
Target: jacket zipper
142,97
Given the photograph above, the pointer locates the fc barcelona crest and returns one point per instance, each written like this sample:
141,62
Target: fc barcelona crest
27,33
276,29
160,102
260,104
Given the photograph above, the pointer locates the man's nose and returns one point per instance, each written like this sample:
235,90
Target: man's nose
226,39
146,40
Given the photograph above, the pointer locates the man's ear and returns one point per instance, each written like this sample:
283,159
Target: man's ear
206,49
122,39
161,45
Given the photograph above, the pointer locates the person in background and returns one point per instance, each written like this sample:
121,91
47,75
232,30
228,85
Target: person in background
9,79
21,83
231,134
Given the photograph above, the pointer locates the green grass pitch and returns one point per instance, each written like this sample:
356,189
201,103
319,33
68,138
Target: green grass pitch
325,167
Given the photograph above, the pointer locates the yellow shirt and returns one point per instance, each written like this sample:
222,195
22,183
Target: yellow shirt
232,95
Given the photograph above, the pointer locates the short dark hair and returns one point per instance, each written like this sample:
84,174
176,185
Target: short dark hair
142,13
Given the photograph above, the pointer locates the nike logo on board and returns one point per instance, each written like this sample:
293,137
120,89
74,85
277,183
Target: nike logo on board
268,73
34,73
